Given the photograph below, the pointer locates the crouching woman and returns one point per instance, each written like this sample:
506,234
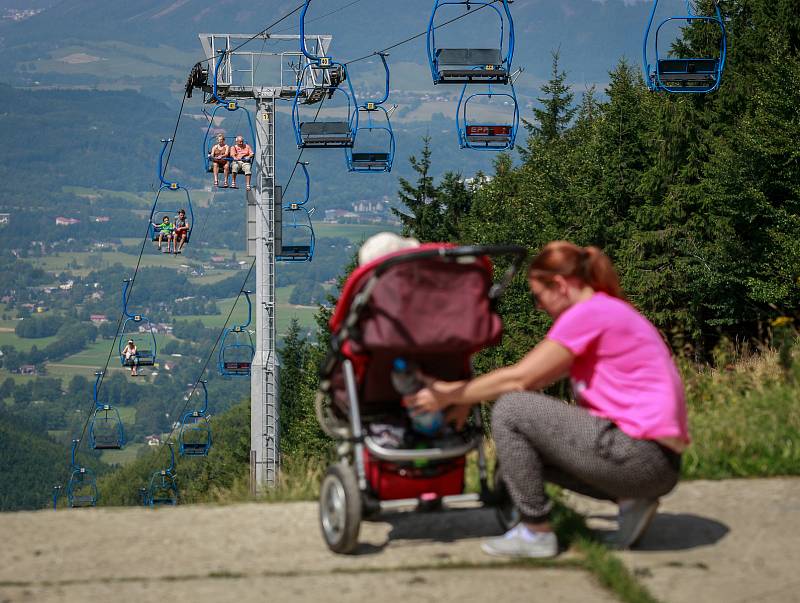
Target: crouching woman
624,438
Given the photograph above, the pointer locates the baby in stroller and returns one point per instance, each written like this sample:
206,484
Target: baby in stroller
419,310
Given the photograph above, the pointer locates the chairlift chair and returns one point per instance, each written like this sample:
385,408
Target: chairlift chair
167,190
105,426
472,65
162,490
56,493
691,75
81,488
236,349
374,132
331,131
300,246
194,438
228,105
138,328
482,134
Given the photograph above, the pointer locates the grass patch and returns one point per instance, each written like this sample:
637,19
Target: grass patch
122,457
81,263
24,344
355,233
285,314
744,419
611,572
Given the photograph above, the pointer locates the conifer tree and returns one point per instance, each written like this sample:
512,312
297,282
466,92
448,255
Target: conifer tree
557,110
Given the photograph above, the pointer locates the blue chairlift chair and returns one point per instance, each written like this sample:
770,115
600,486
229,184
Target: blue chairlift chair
228,105
236,349
81,488
194,438
472,65
375,150
163,487
496,134
692,75
328,129
56,493
138,328
166,196
105,426
299,245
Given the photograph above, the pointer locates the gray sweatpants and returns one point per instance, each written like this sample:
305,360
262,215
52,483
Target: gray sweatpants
539,439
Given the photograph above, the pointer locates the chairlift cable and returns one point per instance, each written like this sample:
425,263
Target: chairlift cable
326,15
133,278
419,35
146,237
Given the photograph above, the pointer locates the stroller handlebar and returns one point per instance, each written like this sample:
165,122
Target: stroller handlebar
517,252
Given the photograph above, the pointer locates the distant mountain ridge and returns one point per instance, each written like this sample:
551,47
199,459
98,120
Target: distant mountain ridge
591,35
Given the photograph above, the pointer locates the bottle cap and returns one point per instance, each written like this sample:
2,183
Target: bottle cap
400,365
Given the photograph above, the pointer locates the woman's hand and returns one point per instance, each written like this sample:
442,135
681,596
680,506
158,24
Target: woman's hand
425,400
437,395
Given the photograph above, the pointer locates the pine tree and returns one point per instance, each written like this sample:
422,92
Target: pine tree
557,110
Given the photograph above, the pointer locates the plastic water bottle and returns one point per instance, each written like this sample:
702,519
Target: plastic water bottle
405,382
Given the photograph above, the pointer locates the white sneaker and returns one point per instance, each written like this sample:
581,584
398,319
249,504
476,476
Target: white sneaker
519,541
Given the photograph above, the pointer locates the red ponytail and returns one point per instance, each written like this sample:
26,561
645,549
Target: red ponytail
589,264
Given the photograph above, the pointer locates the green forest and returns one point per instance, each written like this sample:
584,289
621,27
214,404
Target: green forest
696,198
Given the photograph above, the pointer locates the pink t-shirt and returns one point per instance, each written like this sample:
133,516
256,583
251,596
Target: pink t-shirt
623,370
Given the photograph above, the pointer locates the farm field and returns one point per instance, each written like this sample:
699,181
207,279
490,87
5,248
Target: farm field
95,355
22,344
285,314
81,263
355,233
122,457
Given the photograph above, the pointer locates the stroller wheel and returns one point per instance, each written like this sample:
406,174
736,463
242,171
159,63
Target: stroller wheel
505,509
340,509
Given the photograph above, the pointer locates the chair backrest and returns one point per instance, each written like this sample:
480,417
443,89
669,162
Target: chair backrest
320,128
469,56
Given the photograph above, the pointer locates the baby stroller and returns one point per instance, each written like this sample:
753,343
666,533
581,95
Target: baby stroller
433,306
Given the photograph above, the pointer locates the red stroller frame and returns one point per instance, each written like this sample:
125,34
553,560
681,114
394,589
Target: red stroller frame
433,305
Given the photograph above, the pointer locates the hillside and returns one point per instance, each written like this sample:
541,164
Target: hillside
32,465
